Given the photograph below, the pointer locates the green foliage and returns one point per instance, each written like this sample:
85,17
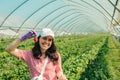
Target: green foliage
84,57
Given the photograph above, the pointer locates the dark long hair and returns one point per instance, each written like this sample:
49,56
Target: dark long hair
51,52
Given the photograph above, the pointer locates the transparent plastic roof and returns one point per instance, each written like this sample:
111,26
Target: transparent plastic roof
63,16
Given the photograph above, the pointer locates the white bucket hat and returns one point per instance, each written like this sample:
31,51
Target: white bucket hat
46,32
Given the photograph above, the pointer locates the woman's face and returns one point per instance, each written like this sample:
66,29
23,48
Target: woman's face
45,43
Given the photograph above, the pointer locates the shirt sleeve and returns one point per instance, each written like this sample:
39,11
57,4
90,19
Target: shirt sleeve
23,55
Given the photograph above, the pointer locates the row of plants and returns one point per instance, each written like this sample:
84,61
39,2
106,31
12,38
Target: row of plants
78,58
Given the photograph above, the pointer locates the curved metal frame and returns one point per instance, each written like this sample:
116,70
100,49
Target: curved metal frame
71,26
106,11
12,12
34,13
62,25
109,14
49,14
64,18
51,20
69,22
56,17
59,16
114,5
93,8
114,10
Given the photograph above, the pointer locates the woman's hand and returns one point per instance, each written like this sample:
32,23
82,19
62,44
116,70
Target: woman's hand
61,76
28,35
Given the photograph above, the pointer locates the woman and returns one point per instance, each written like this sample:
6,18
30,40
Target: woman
43,60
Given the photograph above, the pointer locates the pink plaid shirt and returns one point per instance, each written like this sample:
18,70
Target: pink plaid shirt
35,65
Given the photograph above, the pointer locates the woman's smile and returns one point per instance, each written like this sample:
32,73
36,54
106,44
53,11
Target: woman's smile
45,42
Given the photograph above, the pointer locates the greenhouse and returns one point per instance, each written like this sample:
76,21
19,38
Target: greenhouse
87,36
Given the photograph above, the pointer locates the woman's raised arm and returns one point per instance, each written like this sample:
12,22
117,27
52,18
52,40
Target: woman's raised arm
12,47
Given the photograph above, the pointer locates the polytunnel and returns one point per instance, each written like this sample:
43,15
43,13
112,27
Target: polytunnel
87,37
63,16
